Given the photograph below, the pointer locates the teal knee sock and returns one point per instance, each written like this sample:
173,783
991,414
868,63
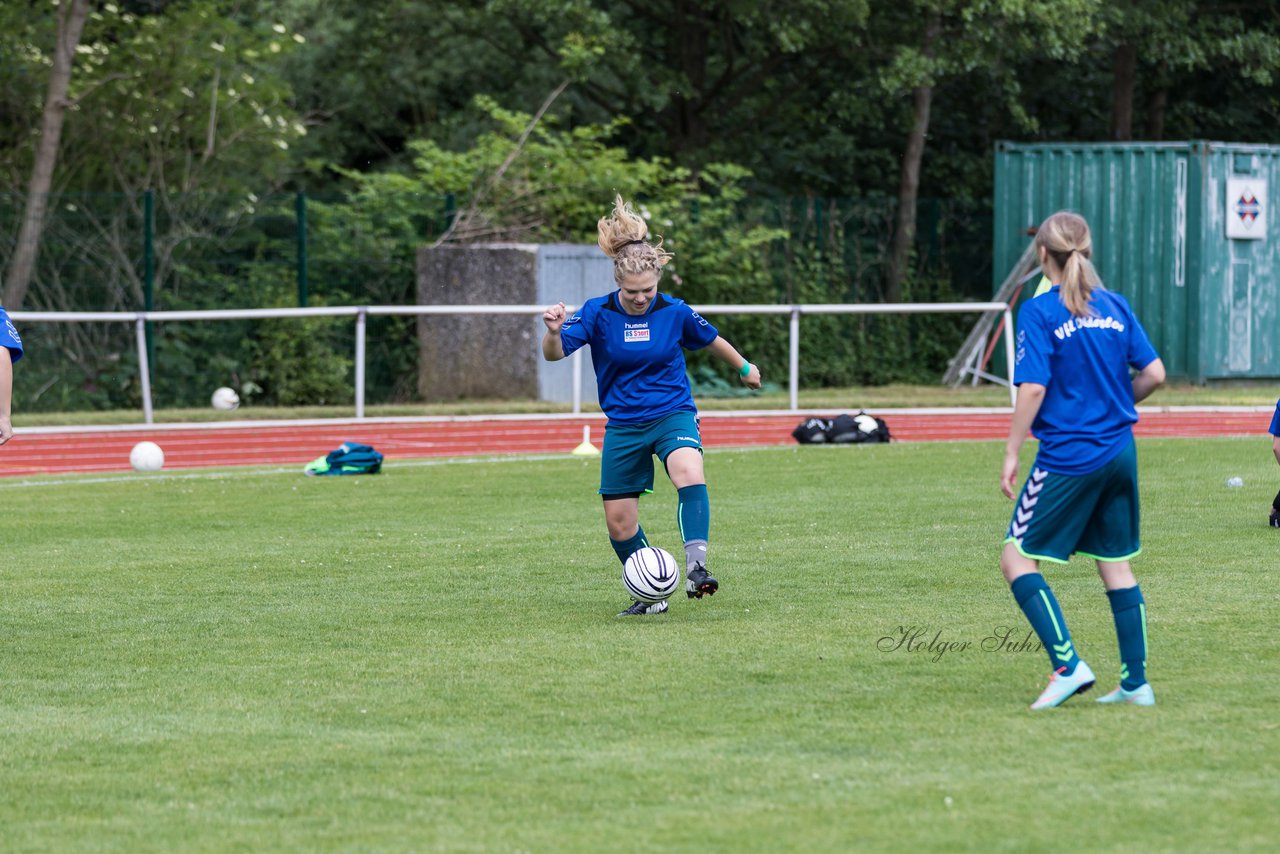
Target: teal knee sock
1041,607
1130,612
625,548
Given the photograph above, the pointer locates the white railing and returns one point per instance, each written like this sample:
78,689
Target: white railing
140,319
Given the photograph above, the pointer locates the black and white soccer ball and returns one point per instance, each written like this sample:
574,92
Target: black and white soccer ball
650,575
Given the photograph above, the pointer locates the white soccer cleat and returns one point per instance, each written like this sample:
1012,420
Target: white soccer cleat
1062,688
1140,696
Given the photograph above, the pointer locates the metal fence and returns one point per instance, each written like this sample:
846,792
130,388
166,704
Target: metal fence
171,252
361,314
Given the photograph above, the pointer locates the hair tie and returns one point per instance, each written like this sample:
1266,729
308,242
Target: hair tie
630,242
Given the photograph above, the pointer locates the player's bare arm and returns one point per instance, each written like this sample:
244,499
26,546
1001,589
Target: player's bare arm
1148,380
552,346
1030,396
729,354
6,394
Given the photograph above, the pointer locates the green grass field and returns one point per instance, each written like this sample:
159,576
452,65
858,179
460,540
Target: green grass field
428,659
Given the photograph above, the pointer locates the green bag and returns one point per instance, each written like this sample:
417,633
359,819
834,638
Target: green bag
350,458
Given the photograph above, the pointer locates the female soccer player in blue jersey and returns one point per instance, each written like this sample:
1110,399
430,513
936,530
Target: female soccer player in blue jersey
638,337
1076,345
10,352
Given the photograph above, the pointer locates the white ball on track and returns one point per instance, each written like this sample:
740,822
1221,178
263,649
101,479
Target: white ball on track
146,456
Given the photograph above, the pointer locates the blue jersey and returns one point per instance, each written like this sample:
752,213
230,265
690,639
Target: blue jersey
1088,413
9,336
1275,421
639,359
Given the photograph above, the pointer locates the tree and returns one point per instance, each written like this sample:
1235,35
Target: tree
71,18
374,76
939,40
186,103
183,104
702,80
1161,51
699,80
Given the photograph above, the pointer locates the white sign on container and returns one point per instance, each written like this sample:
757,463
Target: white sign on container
1247,208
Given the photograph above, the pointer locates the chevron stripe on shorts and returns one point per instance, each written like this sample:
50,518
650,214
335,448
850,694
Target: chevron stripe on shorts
1026,509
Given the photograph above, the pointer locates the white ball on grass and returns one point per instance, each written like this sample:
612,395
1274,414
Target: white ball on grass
650,574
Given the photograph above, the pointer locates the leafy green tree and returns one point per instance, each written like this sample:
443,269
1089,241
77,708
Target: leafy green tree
182,99
374,76
707,80
71,17
186,102
933,41
1161,51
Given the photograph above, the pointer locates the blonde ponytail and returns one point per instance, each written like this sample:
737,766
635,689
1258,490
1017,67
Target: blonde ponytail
1066,237
622,236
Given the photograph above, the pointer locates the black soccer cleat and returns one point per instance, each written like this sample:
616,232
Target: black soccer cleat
637,608
699,583
1275,518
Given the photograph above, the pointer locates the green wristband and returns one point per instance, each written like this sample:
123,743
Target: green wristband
745,369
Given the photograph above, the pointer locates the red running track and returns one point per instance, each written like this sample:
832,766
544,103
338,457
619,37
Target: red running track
51,451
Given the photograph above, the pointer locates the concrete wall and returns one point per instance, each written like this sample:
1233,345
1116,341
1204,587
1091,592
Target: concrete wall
482,356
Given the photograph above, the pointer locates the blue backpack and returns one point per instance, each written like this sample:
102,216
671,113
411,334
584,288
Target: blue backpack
350,458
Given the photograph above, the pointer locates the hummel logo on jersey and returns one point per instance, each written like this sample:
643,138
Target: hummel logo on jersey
633,333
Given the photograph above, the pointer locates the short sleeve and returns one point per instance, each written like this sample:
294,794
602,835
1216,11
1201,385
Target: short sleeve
1275,421
576,331
1031,360
9,337
1141,352
696,332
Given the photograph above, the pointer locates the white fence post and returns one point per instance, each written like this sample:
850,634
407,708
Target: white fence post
144,370
793,366
1009,355
361,323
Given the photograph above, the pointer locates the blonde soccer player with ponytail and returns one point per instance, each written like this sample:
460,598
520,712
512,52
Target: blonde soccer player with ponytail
1076,347
637,337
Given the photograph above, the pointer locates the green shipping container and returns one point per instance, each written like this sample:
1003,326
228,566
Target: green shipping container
1182,229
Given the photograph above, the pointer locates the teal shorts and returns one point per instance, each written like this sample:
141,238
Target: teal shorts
1094,514
626,463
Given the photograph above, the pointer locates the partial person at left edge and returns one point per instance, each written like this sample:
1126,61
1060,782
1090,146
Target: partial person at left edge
10,352
1275,449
